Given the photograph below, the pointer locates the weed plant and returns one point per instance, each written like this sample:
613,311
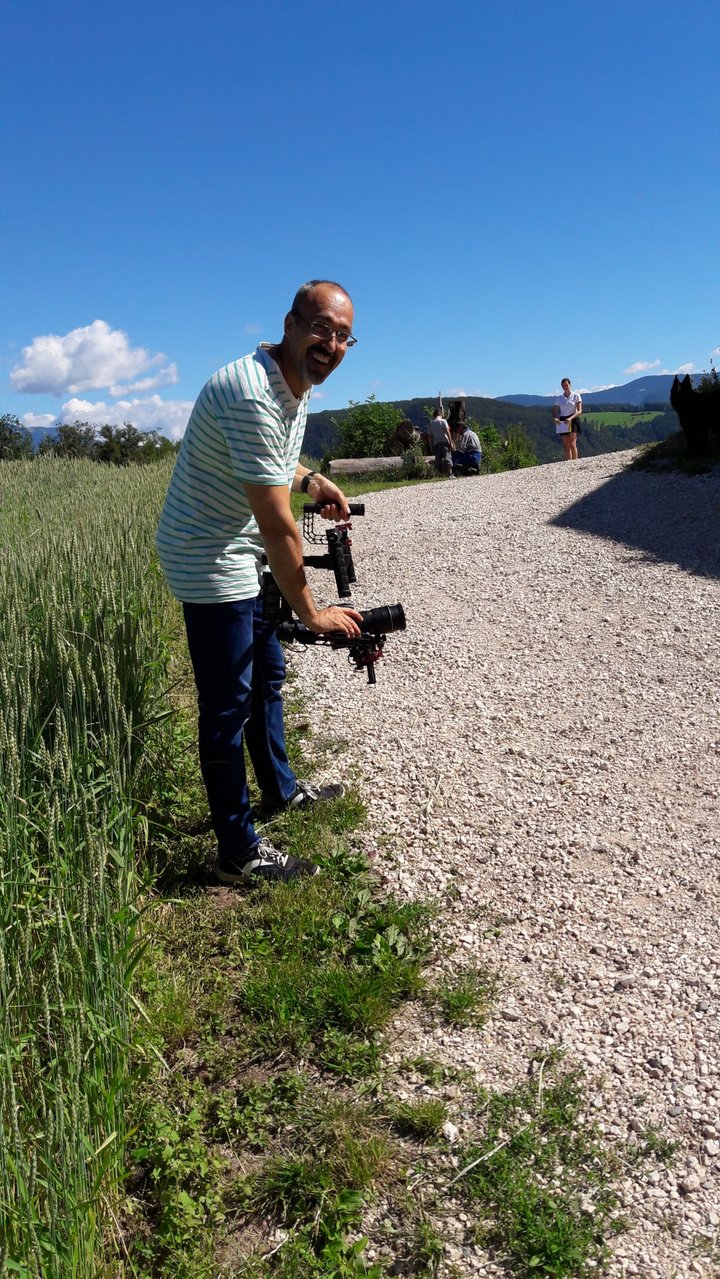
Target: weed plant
465,997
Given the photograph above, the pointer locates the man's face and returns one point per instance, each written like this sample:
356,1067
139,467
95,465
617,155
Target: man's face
308,359
566,386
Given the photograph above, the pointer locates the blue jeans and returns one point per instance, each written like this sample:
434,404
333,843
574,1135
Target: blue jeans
239,672
467,459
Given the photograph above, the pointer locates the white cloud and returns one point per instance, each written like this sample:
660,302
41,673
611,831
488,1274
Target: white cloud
253,329
33,420
169,417
643,366
684,368
318,395
587,390
94,357
716,351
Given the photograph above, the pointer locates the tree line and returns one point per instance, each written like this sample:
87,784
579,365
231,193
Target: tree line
114,445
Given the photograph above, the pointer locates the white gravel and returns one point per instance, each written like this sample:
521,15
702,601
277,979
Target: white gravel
542,748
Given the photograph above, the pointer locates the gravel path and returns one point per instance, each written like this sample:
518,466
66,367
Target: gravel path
542,748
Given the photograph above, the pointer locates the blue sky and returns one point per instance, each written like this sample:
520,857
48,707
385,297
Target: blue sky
511,191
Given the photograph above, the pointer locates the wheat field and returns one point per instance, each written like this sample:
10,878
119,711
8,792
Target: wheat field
83,714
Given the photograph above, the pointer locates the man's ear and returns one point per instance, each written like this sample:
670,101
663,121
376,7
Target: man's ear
289,324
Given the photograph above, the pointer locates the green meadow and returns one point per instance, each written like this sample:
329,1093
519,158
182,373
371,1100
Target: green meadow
618,419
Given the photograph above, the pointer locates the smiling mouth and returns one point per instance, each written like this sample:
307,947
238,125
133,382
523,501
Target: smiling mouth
321,357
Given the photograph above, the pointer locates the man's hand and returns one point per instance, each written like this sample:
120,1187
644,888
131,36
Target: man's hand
327,620
332,500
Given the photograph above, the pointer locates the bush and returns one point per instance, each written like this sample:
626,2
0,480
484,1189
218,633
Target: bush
365,430
519,451
493,447
414,466
504,454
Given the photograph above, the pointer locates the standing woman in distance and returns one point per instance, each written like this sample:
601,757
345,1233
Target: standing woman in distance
567,420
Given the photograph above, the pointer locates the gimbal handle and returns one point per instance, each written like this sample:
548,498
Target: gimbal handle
314,508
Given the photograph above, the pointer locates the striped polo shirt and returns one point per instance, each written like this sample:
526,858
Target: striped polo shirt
246,427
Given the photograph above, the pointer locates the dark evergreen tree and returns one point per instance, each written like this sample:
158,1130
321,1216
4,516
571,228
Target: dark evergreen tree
15,441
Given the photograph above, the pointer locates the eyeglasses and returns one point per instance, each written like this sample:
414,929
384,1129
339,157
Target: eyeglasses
320,329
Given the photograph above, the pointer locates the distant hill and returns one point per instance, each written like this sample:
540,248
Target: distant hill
653,390
322,437
40,433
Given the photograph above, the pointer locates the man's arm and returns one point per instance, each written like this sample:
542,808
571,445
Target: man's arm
270,504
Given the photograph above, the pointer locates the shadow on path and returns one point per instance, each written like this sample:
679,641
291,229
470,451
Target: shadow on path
668,516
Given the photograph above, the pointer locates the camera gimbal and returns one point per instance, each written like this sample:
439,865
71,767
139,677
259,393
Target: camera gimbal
365,649
338,556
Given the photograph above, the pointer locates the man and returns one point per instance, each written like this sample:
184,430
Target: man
468,454
228,502
441,442
567,414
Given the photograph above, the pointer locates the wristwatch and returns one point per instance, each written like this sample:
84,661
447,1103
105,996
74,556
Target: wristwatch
306,480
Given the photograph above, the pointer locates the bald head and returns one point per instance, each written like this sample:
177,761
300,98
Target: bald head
306,290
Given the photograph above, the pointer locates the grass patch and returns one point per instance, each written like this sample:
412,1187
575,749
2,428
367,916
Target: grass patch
465,997
649,1143
426,1252
339,1146
436,1073
334,957
422,1119
540,1180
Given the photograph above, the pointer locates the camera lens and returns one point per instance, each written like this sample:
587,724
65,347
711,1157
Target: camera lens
386,619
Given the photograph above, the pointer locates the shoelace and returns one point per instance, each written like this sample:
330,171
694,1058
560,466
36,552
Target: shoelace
270,853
